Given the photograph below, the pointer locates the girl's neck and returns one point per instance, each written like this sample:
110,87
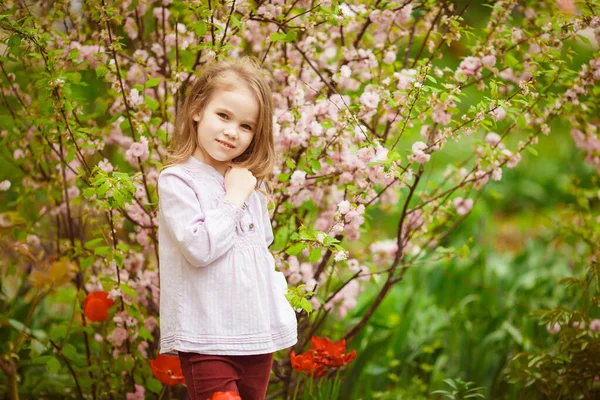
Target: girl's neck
219,166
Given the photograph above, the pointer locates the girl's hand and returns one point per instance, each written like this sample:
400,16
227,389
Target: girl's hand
239,184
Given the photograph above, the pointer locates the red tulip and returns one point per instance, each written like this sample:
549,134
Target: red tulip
323,353
96,305
225,396
167,369
306,363
331,354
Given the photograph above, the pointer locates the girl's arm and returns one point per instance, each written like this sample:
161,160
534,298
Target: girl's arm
201,236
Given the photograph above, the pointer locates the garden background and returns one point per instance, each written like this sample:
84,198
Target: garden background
436,191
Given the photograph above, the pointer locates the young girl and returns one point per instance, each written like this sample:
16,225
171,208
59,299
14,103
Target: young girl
223,309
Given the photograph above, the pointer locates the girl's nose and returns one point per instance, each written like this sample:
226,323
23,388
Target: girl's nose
229,131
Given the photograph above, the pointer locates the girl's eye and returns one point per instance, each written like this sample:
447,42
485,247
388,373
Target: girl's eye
222,115
247,127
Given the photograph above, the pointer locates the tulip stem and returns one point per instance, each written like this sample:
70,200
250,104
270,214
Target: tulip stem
162,392
296,389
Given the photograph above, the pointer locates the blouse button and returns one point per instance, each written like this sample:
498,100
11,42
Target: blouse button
251,226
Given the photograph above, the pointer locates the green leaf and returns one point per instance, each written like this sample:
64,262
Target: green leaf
315,164
277,37
532,150
305,305
315,255
94,242
102,250
128,290
236,21
296,249
200,31
69,351
290,163
58,332
152,82
584,39
101,71
153,385
151,103
53,365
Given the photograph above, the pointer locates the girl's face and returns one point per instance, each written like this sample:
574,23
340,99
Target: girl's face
226,126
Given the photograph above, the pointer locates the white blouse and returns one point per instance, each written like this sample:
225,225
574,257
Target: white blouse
219,290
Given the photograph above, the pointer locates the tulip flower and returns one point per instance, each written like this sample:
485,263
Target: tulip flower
96,305
225,396
331,354
167,369
322,354
306,363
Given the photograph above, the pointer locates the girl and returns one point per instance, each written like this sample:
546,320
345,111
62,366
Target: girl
223,309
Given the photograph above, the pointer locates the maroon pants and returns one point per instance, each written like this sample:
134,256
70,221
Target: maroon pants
247,375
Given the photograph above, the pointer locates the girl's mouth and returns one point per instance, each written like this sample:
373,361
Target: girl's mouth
224,145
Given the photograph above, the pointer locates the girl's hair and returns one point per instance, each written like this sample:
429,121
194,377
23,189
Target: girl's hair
259,157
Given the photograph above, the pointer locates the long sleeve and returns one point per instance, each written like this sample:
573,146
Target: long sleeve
266,219
202,236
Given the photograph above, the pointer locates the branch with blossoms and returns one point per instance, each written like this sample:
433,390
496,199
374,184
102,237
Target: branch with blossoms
368,97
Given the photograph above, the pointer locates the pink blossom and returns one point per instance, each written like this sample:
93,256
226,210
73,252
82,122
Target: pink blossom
150,323
440,115
567,6
470,66
137,149
498,114
130,28
553,329
419,154
4,185
463,206
135,99
403,15
105,166
298,178
139,393
345,71
579,325
33,241
595,325
18,153
118,336
405,78
513,159
370,99
389,57
489,60
493,139
497,174
517,34
481,178
158,13
344,207
340,256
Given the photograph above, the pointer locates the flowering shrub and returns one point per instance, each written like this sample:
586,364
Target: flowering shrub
570,367
370,100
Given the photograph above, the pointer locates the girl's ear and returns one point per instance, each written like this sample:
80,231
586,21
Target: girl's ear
196,117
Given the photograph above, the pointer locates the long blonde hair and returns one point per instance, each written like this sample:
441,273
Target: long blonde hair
259,157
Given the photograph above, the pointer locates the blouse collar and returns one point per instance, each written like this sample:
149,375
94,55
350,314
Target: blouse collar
198,166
